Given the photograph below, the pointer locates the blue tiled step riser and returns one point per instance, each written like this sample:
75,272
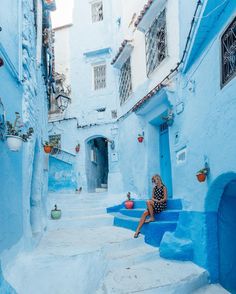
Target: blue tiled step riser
174,204
153,232
166,215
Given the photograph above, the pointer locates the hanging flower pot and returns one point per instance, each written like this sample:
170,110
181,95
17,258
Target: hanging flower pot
47,148
77,148
202,174
140,138
14,143
201,177
15,136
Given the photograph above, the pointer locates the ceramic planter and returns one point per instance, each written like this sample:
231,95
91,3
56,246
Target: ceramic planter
14,142
201,177
77,148
140,139
129,204
47,148
56,214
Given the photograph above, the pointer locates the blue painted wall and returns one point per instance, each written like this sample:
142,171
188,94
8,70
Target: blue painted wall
23,175
61,176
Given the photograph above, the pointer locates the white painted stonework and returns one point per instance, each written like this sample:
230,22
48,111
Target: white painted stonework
82,253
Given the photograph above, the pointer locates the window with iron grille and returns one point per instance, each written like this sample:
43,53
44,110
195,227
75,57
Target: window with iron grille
156,43
228,52
125,83
99,72
97,11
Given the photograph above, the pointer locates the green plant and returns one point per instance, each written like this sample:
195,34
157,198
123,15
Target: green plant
16,129
203,171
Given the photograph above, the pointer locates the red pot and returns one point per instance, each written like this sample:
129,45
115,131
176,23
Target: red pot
201,177
129,204
77,149
47,149
140,139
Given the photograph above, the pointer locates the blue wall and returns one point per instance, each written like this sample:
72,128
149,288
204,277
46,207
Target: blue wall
61,176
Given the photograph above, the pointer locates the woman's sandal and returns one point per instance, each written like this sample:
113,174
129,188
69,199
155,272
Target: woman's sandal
136,235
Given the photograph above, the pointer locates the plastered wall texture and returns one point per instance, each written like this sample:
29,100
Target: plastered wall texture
23,174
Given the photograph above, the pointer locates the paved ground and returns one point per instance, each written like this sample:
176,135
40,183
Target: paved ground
84,254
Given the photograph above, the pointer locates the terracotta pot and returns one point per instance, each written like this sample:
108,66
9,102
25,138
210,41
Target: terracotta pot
129,204
47,149
14,142
77,149
201,177
140,139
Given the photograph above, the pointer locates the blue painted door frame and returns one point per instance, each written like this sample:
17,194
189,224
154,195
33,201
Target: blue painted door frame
165,162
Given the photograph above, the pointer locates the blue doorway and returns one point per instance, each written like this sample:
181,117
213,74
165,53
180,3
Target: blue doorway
227,238
165,161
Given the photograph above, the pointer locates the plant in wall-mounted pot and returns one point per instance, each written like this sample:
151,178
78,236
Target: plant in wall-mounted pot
140,138
77,148
202,174
47,147
129,204
169,119
15,136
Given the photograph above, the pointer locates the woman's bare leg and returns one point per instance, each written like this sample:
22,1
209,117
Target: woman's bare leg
142,221
150,206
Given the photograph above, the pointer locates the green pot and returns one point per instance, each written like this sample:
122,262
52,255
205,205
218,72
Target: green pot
56,214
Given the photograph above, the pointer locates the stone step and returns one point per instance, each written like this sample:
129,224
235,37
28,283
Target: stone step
211,289
172,215
153,231
101,190
81,222
175,204
154,277
67,212
135,255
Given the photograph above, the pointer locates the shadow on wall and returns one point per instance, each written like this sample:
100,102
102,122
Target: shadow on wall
96,163
221,227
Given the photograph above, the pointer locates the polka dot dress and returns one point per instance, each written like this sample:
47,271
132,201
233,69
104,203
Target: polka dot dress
159,195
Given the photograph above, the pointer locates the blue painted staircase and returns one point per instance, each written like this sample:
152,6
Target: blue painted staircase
153,232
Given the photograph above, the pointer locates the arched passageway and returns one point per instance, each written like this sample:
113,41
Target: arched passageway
97,164
220,206
227,237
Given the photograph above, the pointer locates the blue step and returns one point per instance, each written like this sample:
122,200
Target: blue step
166,215
153,232
175,204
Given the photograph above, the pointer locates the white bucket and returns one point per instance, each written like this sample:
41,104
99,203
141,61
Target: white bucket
14,142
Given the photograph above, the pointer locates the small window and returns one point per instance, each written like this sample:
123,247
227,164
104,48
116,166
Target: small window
156,44
97,11
99,74
125,83
228,53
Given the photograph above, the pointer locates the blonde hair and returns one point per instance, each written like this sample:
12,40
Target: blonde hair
155,177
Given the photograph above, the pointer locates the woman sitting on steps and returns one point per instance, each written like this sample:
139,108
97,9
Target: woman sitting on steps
157,204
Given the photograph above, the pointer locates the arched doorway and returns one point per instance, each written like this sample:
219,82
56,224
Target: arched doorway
227,237
220,207
97,164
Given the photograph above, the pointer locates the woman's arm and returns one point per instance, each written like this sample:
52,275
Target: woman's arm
164,196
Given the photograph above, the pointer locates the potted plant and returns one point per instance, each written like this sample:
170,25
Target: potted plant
140,138
55,213
47,147
77,148
202,174
14,135
169,119
129,204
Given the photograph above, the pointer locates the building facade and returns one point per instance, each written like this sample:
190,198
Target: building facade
25,80
153,92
